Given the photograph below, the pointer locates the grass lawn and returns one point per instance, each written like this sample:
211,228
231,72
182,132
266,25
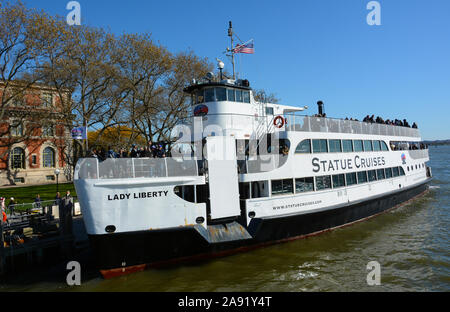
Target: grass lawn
27,194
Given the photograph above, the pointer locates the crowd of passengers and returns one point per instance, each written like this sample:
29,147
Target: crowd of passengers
153,150
403,146
396,122
379,120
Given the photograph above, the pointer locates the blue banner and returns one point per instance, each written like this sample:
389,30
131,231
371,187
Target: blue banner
79,133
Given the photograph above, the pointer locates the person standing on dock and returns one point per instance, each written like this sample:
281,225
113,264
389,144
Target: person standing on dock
11,206
37,201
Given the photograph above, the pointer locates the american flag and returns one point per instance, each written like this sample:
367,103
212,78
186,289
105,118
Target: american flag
245,48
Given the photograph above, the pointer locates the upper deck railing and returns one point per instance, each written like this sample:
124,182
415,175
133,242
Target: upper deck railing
303,123
320,124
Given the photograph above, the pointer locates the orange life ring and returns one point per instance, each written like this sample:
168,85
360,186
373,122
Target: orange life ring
278,121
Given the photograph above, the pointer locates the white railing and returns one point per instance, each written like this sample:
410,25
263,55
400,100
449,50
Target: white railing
128,168
296,122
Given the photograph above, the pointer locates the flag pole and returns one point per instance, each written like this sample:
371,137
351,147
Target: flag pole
230,34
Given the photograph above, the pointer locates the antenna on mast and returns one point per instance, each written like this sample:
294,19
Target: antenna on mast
230,34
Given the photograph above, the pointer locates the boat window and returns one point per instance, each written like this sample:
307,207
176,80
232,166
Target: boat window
304,147
281,187
380,174
347,146
372,174
303,185
376,146
269,110
320,146
358,145
246,96
323,182
362,177
209,95
384,146
282,146
388,173
260,189
368,145
200,96
238,95
244,190
395,172
335,146
221,94
351,178
402,172
231,95
338,180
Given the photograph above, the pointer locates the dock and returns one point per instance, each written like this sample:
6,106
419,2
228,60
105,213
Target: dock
39,237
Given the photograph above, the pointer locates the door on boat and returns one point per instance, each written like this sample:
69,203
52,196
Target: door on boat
223,177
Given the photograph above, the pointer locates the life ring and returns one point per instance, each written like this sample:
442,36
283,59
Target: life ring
279,122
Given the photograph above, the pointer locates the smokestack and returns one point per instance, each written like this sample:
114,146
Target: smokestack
320,104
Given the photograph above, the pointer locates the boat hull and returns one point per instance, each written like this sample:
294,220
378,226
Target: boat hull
122,253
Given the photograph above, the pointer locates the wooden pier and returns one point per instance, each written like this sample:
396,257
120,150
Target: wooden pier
38,239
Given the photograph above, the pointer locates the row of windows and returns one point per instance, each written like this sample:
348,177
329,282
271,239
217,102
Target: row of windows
302,185
18,130
46,100
339,146
221,94
17,158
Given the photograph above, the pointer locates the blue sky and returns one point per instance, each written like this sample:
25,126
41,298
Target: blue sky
309,50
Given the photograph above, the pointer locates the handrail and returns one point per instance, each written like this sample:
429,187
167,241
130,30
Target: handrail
304,123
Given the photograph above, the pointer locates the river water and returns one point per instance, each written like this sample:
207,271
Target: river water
411,245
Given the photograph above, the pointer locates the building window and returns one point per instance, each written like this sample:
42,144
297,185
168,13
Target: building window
50,178
17,129
304,147
47,131
33,159
19,180
18,158
47,100
304,185
281,187
49,157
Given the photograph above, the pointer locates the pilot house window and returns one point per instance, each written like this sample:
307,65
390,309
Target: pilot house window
221,94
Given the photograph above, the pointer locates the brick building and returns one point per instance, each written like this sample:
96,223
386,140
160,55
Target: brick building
34,135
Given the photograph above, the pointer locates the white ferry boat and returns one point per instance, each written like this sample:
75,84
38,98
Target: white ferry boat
255,174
